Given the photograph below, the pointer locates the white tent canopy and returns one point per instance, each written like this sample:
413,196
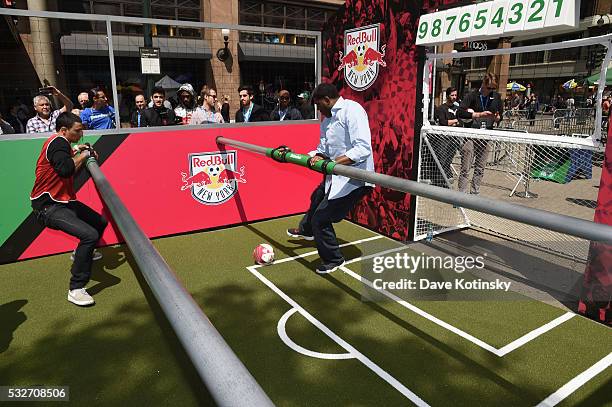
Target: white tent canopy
167,83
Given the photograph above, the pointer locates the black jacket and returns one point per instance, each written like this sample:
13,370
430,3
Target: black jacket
225,111
134,118
292,114
152,117
258,114
444,113
6,127
492,103
307,111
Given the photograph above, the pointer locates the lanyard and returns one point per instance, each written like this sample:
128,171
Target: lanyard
284,114
247,114
483,104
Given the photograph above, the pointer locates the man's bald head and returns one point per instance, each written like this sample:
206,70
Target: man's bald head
284,98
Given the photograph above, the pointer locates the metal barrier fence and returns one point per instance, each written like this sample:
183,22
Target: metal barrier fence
79,52
561,122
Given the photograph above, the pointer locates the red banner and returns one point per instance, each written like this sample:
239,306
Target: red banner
597,284
181,181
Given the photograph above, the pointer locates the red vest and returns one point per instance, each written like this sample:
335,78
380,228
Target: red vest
47,180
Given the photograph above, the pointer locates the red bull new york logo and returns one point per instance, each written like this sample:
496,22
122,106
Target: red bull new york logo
212,177
361,58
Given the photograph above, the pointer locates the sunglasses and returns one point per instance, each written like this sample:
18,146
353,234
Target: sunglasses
491,88
284,98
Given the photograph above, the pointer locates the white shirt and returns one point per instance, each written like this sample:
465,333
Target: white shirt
346,132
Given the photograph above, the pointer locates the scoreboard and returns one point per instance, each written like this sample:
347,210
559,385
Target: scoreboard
497,18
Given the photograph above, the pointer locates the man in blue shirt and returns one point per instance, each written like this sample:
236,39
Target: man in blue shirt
100,116
345,138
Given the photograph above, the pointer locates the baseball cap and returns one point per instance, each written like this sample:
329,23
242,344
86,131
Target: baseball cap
303,95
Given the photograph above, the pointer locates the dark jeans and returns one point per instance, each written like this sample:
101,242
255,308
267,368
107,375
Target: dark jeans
82,222
322,213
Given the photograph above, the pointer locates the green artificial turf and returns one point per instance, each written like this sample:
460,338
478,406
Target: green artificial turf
123,352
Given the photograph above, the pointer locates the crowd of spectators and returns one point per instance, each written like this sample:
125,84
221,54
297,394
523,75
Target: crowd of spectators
96,110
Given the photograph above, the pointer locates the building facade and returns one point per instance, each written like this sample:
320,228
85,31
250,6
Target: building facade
74,54
543,72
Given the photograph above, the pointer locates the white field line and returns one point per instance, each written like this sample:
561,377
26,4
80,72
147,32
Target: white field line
576,382
535,333
424,314
368,239
282,332
348,347
478,342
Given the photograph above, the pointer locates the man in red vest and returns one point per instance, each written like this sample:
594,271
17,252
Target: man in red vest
54,200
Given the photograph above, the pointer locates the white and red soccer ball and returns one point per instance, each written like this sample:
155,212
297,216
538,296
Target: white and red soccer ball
263,254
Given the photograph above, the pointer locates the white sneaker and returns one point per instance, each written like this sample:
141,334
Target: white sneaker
95,256
80,296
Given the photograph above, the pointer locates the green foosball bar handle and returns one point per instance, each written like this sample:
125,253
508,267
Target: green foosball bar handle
285,155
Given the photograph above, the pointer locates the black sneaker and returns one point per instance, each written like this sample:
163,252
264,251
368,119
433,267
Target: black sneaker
295,233
327,268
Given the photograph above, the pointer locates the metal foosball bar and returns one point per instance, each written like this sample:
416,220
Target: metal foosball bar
225,376
536,217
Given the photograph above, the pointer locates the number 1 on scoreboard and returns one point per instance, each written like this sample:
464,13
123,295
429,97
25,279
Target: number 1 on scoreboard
562,13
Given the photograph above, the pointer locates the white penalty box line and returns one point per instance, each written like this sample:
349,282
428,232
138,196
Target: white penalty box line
500,352
352,352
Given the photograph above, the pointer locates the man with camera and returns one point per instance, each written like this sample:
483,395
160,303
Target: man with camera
55,204
45,118
159,114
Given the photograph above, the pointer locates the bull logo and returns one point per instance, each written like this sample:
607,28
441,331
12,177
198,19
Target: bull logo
213,178
362,56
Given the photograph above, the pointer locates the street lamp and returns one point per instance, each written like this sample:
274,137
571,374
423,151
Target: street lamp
224,53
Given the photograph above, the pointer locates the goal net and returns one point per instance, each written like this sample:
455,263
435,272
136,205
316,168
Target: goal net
545,150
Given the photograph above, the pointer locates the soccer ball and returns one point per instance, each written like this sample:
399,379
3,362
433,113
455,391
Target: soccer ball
263,254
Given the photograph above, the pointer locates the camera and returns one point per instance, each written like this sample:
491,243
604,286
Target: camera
47,90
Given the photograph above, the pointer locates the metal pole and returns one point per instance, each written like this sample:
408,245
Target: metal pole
226,378
111,59
600,88
531,216
318,68
426,90
148,41
433,85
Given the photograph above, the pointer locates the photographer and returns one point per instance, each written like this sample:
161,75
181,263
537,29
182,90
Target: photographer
44,120
158,115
